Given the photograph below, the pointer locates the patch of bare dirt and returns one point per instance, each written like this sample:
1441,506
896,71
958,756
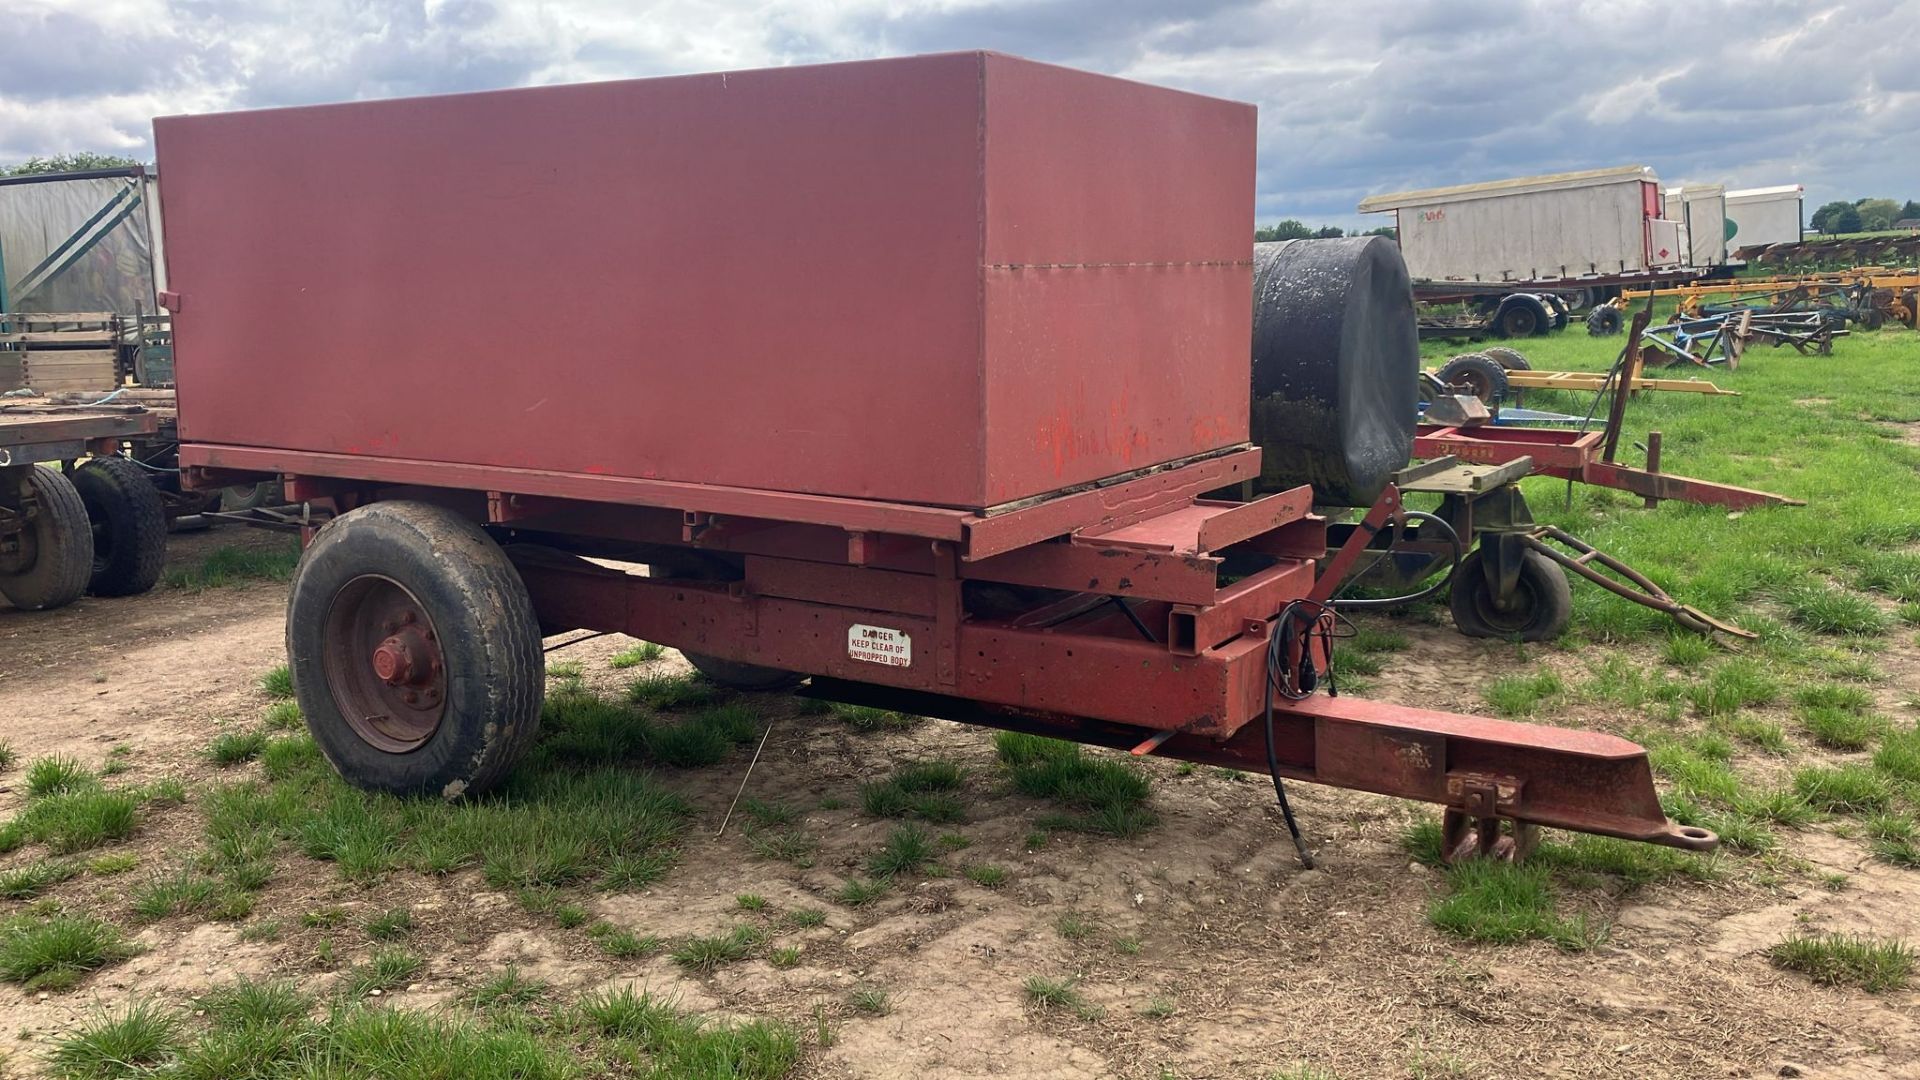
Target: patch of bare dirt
1211,952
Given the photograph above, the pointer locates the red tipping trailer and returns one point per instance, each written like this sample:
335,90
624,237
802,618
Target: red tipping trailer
914,377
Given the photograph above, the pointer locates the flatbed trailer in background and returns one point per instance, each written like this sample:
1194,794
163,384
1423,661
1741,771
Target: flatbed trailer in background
94,527
972,439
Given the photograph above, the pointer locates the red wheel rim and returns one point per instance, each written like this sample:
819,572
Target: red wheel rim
383,663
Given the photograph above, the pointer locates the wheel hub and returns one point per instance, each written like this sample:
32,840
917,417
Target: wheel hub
383,663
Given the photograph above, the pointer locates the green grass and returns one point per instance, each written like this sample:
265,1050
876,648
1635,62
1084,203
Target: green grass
644,653
390,925
1104,795
668,692
626,945
1837,729
1843,789
925,790
1899,755
557,822
77,818
796,846
750,902
1504,903
771,815
386,969
786,956
1731,686
283,716
674,1045
908,849
278,683
1876,966
1894,838
235,565
1047,994
57,776
29,881
235,747
509,989
1521,695
1074,926
986,875
9,757
1825,609
805,918
133,1041
872,1000
855,892
705,954
182,892
868,720
55,952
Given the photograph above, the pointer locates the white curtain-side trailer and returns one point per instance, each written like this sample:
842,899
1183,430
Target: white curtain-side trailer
1768,215
1564,227
1701,210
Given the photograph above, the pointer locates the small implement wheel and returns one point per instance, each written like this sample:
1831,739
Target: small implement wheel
45,560
129,526
1509,359
1539,609
415,652
1463,836
1480,373
1603,321
1521,315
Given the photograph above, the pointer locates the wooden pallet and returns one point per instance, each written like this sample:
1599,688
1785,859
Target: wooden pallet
60,351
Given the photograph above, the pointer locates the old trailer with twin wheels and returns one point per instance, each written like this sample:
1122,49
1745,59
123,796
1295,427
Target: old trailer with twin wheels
70,526
969,430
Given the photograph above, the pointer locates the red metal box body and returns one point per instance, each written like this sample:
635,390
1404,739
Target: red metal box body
955,280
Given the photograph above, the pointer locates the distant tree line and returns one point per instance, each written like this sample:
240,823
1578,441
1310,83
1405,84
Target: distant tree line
1863,215
1292,229
84,161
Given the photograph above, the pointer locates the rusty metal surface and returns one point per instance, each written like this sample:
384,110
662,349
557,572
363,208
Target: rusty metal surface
976,279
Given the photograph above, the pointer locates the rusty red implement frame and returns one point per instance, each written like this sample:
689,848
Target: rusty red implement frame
1577,455
1143,626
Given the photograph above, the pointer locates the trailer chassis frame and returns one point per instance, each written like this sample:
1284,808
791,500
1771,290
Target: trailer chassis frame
1138,615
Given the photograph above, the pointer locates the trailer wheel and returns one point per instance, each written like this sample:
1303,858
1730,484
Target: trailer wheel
1521,315
249,496
415,651
45,563
1482,375
1603,321
1508,359
129,524
1539,610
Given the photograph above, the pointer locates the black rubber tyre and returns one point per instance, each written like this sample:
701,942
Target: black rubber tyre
1542,603
129,526
1603,321
1481,374
1509,359
250,496
47,564
1557,310
1521,315
475,651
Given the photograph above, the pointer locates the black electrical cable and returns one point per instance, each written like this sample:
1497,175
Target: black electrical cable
1298,684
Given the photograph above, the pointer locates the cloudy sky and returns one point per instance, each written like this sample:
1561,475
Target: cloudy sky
1355,96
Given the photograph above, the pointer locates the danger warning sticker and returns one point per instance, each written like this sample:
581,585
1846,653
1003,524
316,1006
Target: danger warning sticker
879,645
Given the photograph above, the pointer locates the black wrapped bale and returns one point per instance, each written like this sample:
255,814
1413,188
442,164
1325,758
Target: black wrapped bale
1336,365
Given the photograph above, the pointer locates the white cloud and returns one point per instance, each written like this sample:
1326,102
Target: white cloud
1356,96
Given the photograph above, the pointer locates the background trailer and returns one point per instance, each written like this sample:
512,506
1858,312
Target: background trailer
1768,215
1565,226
